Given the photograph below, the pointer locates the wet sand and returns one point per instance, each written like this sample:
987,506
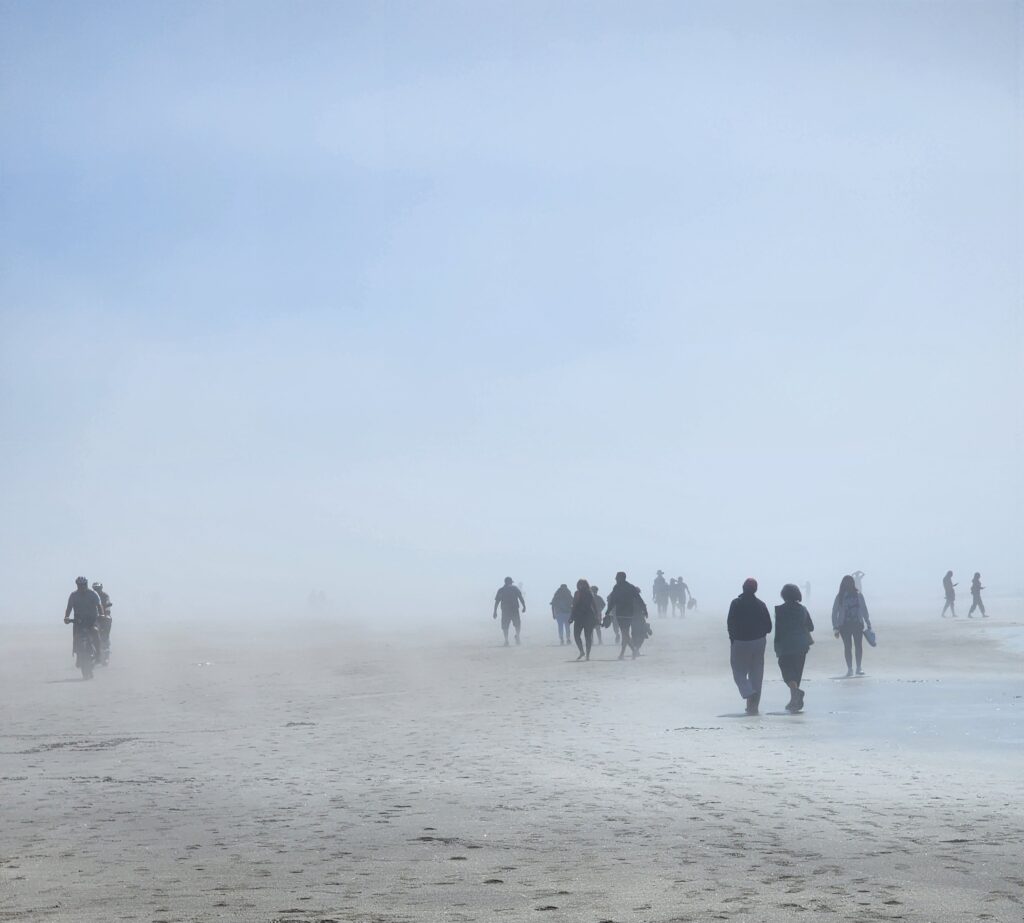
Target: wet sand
314,776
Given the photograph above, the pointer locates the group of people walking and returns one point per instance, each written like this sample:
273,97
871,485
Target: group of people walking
948,589
582,614
749,624
674,592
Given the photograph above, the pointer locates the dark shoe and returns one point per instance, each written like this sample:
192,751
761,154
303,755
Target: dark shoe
752,705
580,657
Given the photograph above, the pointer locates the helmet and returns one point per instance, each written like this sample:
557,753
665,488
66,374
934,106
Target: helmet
81,581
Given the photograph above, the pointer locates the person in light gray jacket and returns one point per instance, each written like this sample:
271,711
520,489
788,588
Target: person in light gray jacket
849,619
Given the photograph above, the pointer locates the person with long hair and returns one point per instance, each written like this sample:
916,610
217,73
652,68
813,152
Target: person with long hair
849,619
561,609
583,617
793,627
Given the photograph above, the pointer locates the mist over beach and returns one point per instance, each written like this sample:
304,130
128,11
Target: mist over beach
318,321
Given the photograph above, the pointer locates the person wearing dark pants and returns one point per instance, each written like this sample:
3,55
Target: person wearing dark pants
793,627
583,617
849,619
976,602
748,624
627,606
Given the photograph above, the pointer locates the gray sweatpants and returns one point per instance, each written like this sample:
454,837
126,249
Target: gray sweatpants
747,660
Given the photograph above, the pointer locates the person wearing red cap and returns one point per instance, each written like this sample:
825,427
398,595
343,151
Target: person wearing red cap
749,624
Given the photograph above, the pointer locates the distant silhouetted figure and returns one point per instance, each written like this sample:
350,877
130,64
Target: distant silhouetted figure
858,578
685,597
599,605
849,619
976,602
749,624
510,599
627,605
87,608
583,618
104,622
807,589
947,587
659,593
793,627
561,609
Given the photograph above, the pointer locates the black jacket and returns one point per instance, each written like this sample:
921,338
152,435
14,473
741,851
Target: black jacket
626,600
748,618
584,609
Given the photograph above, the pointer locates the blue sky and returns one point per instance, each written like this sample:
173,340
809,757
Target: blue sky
392,299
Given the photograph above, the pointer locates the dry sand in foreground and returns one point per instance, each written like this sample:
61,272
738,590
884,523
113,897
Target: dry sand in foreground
313,777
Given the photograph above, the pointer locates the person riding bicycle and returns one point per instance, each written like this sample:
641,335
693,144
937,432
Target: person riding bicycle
86,605
104,622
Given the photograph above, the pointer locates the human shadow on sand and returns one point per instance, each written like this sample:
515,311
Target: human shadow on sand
70,679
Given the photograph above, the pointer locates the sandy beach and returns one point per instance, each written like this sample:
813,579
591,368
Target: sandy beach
324,774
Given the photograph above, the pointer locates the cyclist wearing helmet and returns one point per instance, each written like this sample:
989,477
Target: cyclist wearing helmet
86,605
104,622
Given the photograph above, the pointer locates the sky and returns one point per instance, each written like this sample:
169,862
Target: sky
392,300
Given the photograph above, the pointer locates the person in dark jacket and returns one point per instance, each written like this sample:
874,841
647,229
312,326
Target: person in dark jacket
583,617
627,606
561,609
87,608
849,619
749,624
793,627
